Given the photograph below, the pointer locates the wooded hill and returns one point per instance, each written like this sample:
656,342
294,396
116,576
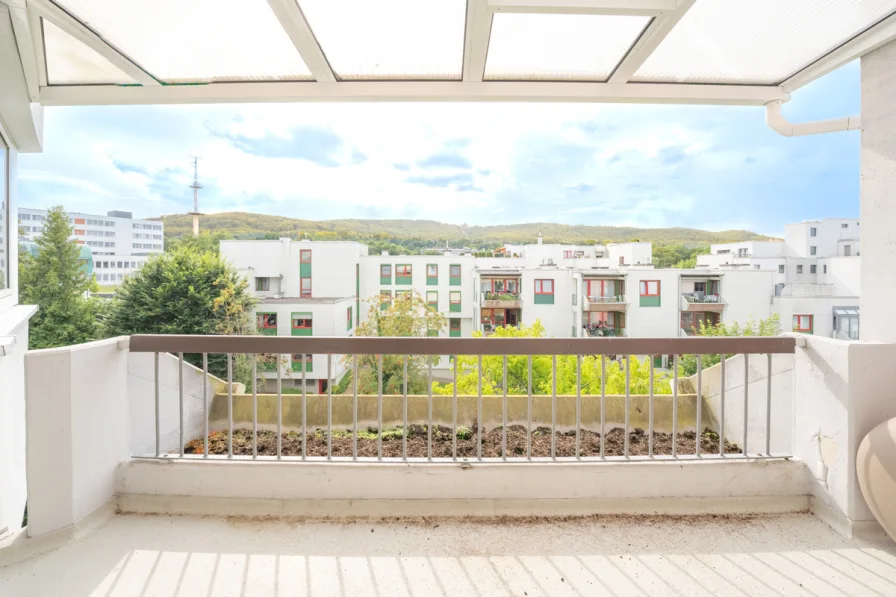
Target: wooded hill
431,233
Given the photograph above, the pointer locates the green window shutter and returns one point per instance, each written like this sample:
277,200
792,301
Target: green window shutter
544,299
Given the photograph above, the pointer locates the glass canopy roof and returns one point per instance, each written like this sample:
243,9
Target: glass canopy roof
726,51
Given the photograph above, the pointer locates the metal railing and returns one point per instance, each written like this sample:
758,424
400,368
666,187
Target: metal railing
692,297
500,296
604,351
610,299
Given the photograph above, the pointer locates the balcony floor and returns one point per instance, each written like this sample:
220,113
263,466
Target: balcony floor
158,555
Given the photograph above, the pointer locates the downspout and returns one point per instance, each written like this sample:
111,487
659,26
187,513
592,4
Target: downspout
782,126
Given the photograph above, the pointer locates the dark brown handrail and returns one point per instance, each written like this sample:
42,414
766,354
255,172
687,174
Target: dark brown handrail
469,346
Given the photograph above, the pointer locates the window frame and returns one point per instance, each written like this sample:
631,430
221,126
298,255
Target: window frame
348,314
781,268
266,322
813,232
302,254
403,270
539,286
797,323
813,269
644,287
302,292
433,303
799,268
813,250
385,267
268,284
307,323
430,265
451,300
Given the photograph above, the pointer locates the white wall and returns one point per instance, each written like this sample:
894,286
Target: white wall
640,253
77,431
748,294
556,318
843,272
821,308
653,322
780,434
842,390
12,428
141,402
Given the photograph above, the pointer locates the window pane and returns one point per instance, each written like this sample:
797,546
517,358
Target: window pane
455,271
390,39
643,288
199,40
758,42
432,271
386,270
559,46
70,62
547,286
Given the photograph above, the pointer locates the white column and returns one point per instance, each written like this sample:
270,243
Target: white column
878,195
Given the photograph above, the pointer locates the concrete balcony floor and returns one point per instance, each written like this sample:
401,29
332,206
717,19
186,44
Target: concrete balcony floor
793,554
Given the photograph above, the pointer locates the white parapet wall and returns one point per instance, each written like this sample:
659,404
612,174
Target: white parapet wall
90,407
778,428
77,403
842,390
221,487
141,401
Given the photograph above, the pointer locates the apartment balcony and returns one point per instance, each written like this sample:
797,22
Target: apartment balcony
707,303
146,475
501,300
604,332
605,304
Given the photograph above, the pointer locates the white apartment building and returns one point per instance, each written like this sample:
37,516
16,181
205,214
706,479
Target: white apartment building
304,288
816,269
120,244
310,288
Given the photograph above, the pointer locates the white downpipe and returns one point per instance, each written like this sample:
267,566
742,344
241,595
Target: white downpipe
782,126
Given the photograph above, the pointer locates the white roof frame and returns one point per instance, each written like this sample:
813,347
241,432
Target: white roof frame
414,91
664,16
296,26
56,15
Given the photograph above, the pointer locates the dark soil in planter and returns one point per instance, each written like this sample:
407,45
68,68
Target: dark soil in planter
466,443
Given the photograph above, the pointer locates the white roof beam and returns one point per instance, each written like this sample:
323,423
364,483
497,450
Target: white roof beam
413,91
62,19
37,39
296,27
647,8
21,25
881,34
476,38
649,40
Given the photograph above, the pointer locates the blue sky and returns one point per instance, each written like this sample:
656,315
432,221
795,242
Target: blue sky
706,167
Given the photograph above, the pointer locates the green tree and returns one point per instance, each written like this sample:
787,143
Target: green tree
406,316
542,378
765,327
183,291
54,279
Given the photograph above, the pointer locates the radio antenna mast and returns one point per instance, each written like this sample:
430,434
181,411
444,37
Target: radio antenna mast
195,186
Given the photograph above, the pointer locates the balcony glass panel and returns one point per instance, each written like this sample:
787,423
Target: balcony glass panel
758,42
559,47
390,39
70,62
196,41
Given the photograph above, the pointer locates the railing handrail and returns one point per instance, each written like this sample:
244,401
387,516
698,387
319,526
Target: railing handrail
197,344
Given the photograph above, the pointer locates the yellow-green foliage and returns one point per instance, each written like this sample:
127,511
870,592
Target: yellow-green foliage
542,379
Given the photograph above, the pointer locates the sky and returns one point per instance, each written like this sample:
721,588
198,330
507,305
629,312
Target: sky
716,168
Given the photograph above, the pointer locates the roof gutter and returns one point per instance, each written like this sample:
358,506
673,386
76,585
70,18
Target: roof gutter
782,126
